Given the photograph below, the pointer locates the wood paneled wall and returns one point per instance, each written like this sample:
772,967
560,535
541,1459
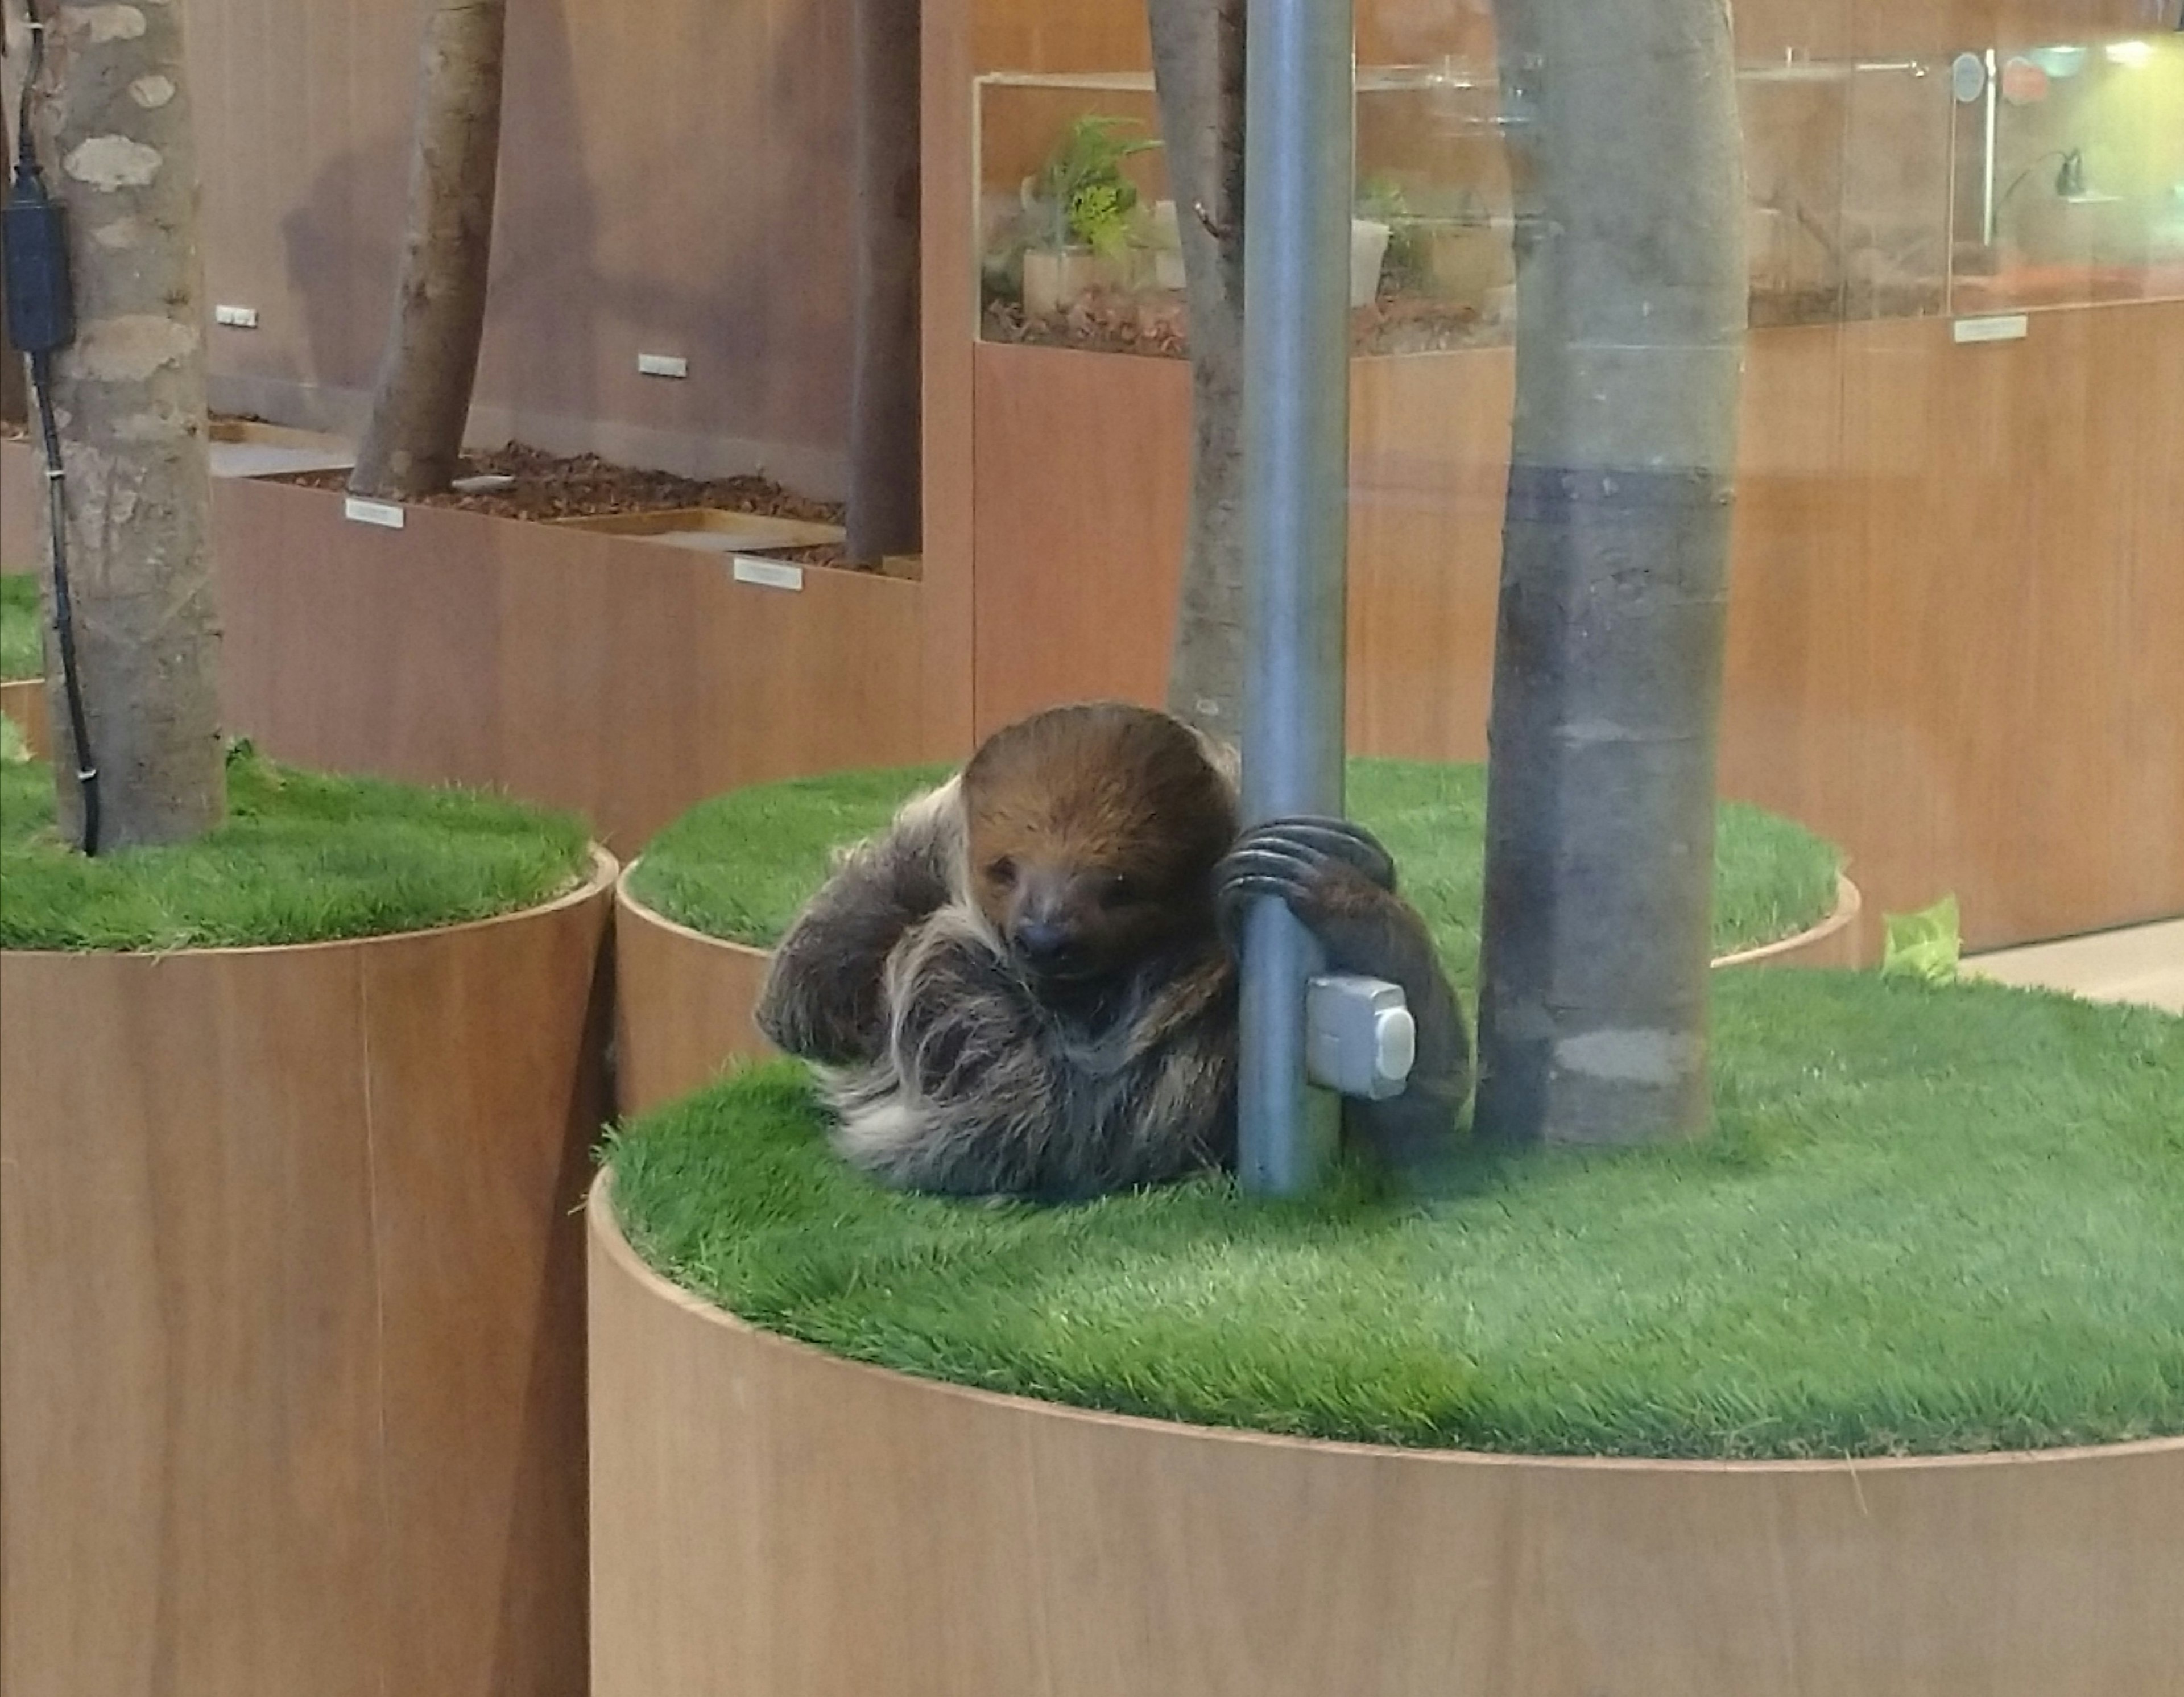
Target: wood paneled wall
1957,598
674,179
1957,607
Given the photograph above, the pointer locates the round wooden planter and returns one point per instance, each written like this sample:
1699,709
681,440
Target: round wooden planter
25,702
683,1000
1832,942
769,1520
291,1353
682,1004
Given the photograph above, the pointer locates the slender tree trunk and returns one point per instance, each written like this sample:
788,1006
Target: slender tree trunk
1625,150
1198,69
885,415
111,124
426,376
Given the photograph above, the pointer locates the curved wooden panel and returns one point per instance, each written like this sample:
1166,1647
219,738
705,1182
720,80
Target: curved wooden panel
291,1356
769,1520
1833,942
683,1000
22,506
682,1005
25,702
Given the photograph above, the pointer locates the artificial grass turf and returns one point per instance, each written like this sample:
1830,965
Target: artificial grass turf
740,866
22,641
302,858
1928,1221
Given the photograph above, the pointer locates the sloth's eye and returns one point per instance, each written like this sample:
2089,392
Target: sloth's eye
1003,872
1118,892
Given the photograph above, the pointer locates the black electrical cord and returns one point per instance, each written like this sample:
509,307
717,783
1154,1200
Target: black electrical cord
40,320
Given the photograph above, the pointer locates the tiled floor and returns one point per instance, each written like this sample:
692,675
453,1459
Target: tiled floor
2145,963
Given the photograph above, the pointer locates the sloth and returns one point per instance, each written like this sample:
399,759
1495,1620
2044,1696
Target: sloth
1027,986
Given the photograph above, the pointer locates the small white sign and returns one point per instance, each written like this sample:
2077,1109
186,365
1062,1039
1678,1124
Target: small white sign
385,514
768,574
662,365
236,317
2007,328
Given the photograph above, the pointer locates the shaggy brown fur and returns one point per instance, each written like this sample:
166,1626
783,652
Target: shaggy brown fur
1024,988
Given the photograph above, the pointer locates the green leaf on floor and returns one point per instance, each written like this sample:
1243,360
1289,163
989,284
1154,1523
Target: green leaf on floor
1924,945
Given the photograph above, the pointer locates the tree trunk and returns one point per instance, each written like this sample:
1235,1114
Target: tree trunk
1626,153
1198,69
422,398
885,416
112,123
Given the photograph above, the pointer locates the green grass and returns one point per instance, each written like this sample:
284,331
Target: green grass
22,641
1929,1220
740,866
301,858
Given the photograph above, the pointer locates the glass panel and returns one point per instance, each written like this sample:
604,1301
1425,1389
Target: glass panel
2070,176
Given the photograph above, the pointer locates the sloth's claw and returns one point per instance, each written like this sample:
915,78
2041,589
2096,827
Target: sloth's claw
1340,838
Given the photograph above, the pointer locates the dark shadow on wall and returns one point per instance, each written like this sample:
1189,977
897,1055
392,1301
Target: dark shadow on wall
342,248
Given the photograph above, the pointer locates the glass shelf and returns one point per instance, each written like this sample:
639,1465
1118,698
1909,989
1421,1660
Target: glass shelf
1877,189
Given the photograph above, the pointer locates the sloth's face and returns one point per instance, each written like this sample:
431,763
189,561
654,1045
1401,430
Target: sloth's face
1067,920
1093,835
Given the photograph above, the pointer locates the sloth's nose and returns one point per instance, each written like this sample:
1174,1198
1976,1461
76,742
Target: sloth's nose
1041,943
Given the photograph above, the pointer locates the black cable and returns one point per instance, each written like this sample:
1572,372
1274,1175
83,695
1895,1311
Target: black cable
86,768
41,318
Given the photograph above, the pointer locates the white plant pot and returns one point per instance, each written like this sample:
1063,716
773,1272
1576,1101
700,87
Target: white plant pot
1165,242
1055,278
1368,250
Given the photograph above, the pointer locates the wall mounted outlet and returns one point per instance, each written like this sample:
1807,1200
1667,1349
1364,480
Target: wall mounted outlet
236,317
662,365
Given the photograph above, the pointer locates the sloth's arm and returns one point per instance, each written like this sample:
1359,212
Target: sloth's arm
825,995
1340,883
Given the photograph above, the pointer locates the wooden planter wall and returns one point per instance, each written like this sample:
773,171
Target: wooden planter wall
767,1520
622,679
292,1362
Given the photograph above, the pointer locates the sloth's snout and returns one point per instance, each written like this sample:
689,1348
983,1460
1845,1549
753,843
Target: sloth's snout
1043,943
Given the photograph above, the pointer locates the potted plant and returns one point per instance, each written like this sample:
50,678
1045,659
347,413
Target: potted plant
1443,244
1080,215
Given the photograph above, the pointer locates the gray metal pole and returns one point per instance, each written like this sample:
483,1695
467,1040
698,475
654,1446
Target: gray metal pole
1298,196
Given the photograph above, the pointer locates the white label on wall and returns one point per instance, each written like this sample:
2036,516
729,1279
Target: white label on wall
2009,327
770,574
236,317
384,514
662,365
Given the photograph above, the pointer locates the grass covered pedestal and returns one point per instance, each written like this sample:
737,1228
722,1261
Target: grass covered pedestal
695,916
1876,1391
291,1291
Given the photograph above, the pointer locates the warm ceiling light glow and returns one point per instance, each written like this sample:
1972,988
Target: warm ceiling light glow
2131,53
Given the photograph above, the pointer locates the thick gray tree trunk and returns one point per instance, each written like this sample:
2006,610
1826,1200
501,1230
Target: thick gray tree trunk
422,398
111,123
1626,151
885,415
1198,69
